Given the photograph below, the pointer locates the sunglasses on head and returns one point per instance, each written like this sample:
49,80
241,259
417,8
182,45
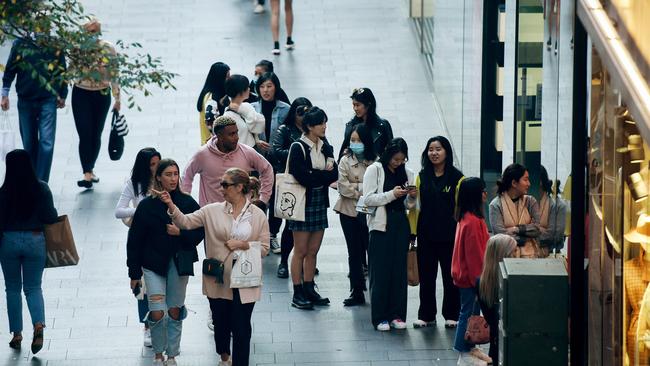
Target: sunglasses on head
302,110
357,91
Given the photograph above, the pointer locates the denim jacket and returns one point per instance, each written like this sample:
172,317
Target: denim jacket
278,116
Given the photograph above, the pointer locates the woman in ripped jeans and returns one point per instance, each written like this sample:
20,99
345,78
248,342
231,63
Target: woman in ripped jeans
153,249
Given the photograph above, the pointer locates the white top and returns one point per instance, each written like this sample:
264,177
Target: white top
128,201
318,160
249,123
374,195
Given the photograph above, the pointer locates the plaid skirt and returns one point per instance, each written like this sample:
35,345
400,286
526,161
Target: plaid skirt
315,212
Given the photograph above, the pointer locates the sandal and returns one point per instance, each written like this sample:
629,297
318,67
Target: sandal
15,342
37,341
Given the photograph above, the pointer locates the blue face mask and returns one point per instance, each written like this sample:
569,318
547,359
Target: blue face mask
357,148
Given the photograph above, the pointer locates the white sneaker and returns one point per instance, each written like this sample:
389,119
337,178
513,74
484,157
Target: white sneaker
478,353
147,337
398,324
383,326
275,51
157,362
171,362
466,359
275,246
450,324
259,9
423,324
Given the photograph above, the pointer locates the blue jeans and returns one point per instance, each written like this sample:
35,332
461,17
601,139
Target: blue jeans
166,332
468,307
37,120
22,255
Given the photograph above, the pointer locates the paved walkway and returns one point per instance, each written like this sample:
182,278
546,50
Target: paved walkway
91,314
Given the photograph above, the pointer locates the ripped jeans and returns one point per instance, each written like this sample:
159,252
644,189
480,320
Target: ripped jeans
166,294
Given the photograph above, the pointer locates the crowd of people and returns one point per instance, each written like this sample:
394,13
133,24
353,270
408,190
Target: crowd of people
250,131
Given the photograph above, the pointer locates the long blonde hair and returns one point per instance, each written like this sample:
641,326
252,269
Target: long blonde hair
498,247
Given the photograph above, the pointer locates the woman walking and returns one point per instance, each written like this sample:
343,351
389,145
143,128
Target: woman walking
275,25
514,212
435,226
160,251
275,112
467,260
231,226
91,99
498,247
135,189
389,190
26,206
364,105
212,99
288,133
352,168
552,215
311,162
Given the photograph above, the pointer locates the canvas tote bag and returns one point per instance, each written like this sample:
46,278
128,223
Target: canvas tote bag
290,196
247,270
59,244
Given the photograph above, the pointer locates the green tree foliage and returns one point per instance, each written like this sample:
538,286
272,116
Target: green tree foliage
55,27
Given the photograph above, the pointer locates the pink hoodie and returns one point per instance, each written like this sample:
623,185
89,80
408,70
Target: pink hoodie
211,164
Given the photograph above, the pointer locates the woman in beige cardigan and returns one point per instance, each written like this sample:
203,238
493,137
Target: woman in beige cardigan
229,226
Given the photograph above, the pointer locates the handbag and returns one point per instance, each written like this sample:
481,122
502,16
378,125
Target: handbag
290,195
361,207
7,136
247,269
119,129
59,244
184,261
214,268
478,329
412,273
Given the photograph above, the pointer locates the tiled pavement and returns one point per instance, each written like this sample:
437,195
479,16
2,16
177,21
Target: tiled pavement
91,314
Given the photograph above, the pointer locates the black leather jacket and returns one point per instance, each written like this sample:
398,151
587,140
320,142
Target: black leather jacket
381,132
282,140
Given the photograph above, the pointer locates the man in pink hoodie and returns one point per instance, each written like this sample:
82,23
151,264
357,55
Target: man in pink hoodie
221,153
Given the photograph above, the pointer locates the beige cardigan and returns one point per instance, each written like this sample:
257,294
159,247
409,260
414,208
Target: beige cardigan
350,184
217,220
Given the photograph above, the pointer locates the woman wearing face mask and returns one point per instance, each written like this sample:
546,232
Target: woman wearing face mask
435,227
311,162
153,249
514,212
275,112
352,167
498,247
365,111
135,189
212,99
90,102
388,188
288,133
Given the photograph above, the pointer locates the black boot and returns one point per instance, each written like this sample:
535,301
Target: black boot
299,300
313,296
283,270
356,298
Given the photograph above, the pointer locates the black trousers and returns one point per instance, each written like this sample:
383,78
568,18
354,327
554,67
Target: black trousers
491,315
232,317
430,254
387,268
286,241
89,109
355,230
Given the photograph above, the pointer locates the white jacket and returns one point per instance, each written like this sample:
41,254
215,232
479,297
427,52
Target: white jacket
249,123
374,195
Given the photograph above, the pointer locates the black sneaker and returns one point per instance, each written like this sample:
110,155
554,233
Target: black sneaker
313,296
299,300
85,183
290,46
356,298
283,270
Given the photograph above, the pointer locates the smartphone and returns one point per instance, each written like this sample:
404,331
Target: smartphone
409,188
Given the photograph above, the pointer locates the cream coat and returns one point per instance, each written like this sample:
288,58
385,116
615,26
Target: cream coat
217,220
374,195
350,184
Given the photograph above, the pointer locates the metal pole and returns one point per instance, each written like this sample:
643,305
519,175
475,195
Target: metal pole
422,26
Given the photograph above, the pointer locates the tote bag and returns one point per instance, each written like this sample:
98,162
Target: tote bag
290,196
412,273
7,136
119,129
59,244
247,269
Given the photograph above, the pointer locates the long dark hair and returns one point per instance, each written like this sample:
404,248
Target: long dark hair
547,184
470,197
367,98
366,138
20,185
164,164
141,172
214,83
266,77
427,166
396,145
299,107
512,172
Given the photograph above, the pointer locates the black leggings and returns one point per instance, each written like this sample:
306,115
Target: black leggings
90,109
232,317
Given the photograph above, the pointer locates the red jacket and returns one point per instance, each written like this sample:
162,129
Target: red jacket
469,250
